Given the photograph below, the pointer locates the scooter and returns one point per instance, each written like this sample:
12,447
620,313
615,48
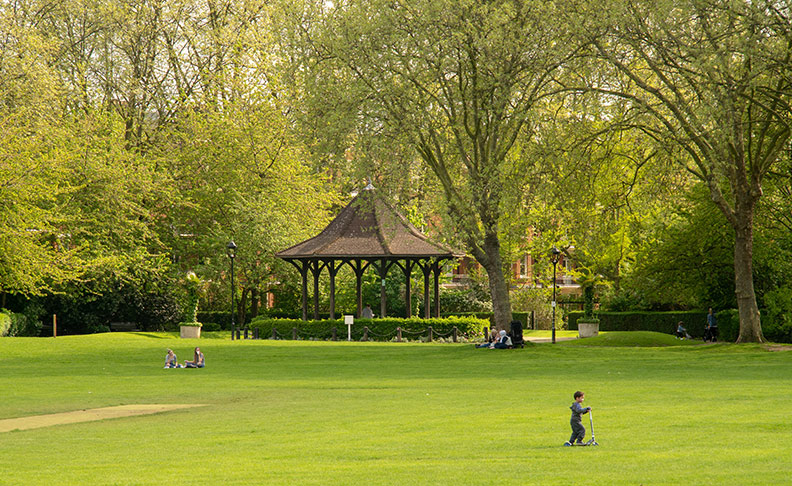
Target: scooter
592,441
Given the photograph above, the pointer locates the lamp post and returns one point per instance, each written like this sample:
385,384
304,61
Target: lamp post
231,254
554,258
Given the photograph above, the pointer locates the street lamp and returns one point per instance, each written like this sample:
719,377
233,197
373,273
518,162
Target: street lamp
231,247
554,258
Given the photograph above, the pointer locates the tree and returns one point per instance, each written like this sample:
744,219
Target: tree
240,175
711,82
460,78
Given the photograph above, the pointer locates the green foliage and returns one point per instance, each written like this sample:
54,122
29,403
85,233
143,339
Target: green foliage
462,300
5,322
449,109
687,260
194,287
211,327
728,324
664,322
379,329
777,316
537,300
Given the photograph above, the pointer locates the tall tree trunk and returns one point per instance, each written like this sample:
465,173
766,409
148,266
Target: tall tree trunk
499,287
750,324
241,307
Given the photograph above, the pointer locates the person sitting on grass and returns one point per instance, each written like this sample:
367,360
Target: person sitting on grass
681,332
578,431
171,361
198,360
493,336
503,342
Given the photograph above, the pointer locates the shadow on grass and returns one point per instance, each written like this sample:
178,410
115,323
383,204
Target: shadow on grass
154,335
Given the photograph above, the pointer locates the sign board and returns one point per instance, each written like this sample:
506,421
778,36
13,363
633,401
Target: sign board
349,320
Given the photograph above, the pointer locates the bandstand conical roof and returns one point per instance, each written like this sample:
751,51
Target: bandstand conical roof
368,228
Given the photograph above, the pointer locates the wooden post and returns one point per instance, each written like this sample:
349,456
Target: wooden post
398,334
274,333
54,325
365,333
455,333
430,333
335,334
294,333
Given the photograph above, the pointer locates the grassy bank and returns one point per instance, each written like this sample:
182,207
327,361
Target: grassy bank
282,412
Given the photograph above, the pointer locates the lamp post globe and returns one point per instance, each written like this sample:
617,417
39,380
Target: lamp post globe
231,247
556,254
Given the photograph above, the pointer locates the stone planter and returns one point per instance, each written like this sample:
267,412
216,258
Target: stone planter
190,332
588,328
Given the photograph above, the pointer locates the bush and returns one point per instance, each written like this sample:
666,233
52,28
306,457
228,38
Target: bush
211,326
5,322
728,325
538,300
379,329
777,318
15,324
664,322
462,300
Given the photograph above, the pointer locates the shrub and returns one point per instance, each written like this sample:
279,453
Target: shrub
379,329
777,318
728,324
18,324
211,326
462,300
538,300
5,322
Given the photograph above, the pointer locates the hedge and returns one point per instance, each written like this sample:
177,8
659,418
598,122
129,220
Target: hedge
665,322
379,329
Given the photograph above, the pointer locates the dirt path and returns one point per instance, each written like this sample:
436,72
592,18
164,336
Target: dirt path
37,421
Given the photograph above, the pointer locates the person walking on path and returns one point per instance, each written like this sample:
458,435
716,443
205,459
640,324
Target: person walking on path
711,331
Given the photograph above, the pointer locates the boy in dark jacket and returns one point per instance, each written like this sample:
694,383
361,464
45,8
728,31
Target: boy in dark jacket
578,431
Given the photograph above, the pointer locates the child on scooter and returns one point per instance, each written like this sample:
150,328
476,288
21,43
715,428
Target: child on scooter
578,431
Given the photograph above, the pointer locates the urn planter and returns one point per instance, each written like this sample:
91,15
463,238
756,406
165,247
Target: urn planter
588,327
190,331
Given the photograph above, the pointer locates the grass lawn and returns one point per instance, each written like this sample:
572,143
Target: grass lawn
317,413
